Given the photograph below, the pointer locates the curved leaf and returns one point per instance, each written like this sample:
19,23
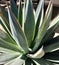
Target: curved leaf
17,32
52,55
7,55
29,25
42,61
53,45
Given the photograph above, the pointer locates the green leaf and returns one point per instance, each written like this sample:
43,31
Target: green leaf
17,32
38,11
39,16
43,29
5,28
29,25
4,14
20,13
14,7
6,37
54,22
4,25
16,61
7,55
52,56
49,35
53,45
24,14
50,32
7,45
42,61
28,62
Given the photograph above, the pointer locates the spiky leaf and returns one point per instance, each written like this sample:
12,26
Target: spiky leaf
53,45
44,26
42,62
53,56
20,12
16,61
7,45
52,27
29,25
17,32
7,55
6,37
39,16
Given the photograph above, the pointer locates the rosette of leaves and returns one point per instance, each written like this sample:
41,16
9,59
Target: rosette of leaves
28,36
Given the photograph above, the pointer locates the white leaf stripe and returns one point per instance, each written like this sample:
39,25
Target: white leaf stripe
17,32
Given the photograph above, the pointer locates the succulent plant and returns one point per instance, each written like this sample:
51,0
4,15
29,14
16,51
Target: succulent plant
28,35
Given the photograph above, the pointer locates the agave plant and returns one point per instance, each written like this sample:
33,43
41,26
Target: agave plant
28,35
